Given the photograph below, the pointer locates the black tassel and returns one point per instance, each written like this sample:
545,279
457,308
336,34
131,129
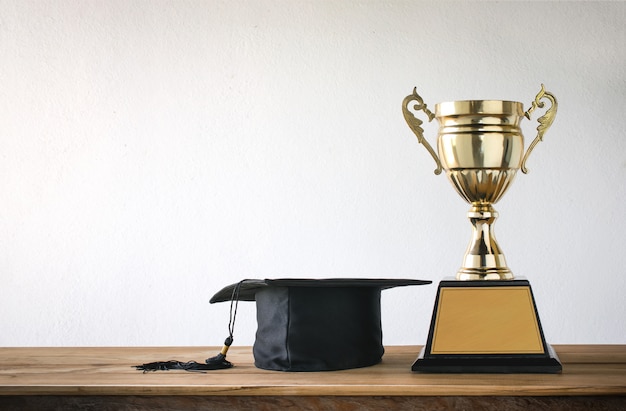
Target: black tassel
179,365
219,362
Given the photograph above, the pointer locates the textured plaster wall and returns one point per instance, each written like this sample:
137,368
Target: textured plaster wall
152,152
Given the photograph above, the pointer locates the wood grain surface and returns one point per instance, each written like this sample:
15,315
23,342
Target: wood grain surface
588,370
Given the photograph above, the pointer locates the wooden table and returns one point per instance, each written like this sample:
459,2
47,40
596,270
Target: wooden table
594,377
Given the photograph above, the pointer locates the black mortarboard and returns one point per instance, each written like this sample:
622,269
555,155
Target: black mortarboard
315,325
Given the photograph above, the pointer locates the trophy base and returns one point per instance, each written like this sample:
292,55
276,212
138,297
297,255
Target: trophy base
489,364
486,327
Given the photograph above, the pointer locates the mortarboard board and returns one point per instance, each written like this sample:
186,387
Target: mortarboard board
315,325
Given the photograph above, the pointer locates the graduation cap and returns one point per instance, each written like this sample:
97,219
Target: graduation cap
306,324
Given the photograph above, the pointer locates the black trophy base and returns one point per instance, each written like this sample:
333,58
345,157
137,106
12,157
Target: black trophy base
489,364
486,327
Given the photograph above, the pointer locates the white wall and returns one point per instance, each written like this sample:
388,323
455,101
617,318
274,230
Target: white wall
152,152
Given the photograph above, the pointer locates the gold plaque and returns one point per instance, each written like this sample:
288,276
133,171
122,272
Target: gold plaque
486,320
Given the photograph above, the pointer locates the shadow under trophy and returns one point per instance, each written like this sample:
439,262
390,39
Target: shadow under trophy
485,320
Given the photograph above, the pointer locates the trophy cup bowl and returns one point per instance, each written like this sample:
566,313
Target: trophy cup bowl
481,147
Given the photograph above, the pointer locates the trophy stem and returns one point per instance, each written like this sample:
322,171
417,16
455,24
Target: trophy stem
483,259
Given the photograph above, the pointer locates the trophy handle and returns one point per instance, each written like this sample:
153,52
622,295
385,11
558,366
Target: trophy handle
415,123
545,121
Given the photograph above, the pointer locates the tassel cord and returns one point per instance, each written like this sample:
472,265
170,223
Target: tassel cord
234,301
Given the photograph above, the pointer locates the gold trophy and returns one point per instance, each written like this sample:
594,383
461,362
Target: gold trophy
485,319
